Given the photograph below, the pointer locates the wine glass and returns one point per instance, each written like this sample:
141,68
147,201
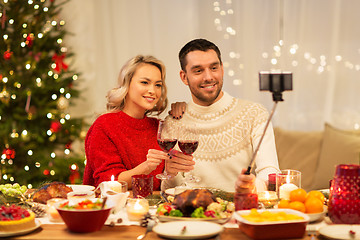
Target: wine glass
166,138
188,142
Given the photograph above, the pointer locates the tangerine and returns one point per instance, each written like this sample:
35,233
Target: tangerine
297,205
283,203
298,195
313,205
315,193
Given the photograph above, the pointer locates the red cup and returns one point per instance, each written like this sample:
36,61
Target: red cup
272,182
245,201
142,185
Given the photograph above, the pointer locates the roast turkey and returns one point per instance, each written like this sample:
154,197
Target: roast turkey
189,200
51,190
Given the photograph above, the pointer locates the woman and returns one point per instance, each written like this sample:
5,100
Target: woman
122,142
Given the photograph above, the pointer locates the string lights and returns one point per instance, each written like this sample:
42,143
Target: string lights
224,15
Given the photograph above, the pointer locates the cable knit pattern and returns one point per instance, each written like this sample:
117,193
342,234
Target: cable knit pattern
229,133
117,142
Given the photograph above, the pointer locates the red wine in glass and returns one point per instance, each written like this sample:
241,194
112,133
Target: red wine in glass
166,138
167,144
188,146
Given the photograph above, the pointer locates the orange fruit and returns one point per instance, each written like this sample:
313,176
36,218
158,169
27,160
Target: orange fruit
283,203
296,205
298,195
313,205
317,194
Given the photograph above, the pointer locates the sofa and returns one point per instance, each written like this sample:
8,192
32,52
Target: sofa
316,153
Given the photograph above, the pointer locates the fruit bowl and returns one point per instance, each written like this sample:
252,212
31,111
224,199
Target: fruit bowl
317,216
83,220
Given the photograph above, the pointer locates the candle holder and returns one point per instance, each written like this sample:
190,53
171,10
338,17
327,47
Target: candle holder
245,201
286,181
344,199
268,199
52,214
136,208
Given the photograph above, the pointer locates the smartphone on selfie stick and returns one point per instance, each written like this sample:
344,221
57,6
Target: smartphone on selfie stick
277,83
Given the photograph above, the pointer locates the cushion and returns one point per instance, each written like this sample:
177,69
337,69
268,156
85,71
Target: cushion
339,147
299,150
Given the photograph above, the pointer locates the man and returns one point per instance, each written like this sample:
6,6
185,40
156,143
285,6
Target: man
230,128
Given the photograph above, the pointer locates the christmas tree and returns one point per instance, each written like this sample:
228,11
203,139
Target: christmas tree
37,86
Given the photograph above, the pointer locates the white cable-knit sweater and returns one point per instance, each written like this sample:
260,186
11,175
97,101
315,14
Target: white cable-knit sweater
230,130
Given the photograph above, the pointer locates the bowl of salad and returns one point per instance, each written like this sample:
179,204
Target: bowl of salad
85,216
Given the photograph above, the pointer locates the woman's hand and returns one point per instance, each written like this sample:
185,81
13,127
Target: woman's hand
179,162
153,159
177,109
245,183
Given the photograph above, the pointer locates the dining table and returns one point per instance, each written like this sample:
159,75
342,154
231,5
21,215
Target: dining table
131,230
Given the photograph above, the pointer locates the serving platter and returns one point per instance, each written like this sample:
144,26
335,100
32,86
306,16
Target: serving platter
163,218
21,232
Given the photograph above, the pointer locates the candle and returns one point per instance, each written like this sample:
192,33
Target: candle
268,198
136,208
285,190
52,214
114,185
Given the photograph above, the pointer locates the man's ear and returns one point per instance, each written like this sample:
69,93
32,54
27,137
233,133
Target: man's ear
183,77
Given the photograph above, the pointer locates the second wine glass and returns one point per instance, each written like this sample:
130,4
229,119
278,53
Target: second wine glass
188,142
166,138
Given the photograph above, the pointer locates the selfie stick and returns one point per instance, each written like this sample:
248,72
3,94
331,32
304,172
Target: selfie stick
276,85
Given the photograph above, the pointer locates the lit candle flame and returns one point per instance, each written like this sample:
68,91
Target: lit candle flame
112,178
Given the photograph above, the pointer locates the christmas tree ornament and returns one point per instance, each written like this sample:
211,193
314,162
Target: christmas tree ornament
29,40
59,63
7,54
9,153
55,126
62,103
68,145
3,19
4,96
28,99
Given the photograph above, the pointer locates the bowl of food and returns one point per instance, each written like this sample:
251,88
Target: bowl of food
84,216
272,223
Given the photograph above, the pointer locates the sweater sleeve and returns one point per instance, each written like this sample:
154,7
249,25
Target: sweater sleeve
102,155
266,159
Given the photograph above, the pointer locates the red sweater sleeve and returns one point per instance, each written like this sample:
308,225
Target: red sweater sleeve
116,143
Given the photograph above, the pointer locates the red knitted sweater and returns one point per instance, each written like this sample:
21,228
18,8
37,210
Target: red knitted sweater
117,142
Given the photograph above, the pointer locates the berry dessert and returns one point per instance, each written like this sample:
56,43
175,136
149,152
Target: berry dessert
14,218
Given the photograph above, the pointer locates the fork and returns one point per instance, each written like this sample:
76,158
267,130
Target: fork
149,228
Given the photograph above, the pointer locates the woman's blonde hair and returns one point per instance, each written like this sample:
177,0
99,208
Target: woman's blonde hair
116,96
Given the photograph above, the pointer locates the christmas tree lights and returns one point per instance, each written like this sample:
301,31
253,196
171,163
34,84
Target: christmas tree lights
37,86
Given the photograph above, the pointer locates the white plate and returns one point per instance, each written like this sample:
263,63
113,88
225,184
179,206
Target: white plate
194,229
78,187
21,232
340,231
